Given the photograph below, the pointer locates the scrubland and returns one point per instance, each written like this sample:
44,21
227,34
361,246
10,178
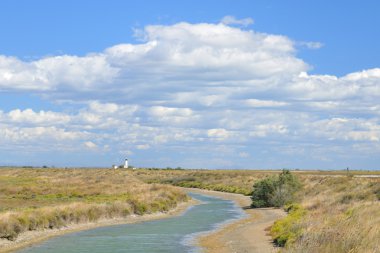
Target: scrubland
334,212
339,214
37,199
234,181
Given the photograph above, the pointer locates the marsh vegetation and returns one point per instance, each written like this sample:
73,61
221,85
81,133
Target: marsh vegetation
335,212
36,199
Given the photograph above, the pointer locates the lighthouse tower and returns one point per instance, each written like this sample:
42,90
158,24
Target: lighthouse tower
126,164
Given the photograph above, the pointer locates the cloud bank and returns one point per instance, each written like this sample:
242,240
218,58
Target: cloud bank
242,96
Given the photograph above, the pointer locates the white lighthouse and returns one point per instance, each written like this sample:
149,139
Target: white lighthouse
126,164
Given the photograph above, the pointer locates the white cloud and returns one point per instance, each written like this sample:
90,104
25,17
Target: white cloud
311,44
143,146
179,57
371,74
160,111
55,73
263,130
172,115
90,145
347,129
106,108
231,20
218,133
192,87
37,118
364,136
265,103
25,134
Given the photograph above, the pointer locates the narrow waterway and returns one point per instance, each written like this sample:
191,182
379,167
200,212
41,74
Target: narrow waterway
174,234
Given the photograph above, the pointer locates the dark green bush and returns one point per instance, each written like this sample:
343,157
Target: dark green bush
262,192
275,191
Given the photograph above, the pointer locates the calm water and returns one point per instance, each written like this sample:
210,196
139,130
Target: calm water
174,234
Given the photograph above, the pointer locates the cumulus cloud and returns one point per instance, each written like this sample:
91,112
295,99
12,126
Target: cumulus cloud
193,88
24,134
58,72
37,118
348,129
179,57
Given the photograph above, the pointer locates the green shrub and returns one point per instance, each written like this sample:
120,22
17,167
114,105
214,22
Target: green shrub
286,230
262,192
275,191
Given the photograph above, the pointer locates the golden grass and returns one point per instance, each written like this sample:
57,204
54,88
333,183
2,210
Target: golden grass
33,199
341,211
234,181
343,215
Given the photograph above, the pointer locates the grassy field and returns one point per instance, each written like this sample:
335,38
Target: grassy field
336,212
36,199
342,214
234,181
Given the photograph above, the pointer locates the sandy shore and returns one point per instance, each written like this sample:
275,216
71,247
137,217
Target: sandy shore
32,237
248,235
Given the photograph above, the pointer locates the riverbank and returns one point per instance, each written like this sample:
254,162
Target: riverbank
29,238
247,235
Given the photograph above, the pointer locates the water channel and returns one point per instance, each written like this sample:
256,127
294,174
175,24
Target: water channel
175,234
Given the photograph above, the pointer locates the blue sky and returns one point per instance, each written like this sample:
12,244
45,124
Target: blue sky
216,84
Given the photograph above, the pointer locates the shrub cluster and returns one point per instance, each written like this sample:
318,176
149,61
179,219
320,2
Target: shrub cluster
275,191
285,231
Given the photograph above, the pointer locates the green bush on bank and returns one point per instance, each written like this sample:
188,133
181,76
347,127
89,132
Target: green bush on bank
275,191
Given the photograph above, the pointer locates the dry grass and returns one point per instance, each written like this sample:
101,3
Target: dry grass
342,212
33,199
343,215
234,181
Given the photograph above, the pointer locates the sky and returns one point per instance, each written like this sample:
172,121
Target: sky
195,84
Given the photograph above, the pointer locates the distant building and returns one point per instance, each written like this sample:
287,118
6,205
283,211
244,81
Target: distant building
115,166
126,164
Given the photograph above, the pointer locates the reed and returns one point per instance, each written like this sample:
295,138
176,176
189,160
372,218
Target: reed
36,199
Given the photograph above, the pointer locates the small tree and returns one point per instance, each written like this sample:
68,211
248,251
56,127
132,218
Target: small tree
275,191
